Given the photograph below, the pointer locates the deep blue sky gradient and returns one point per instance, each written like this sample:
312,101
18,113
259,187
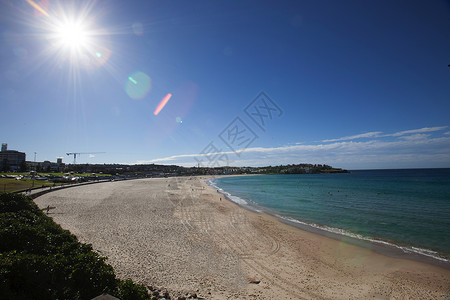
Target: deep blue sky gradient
335,68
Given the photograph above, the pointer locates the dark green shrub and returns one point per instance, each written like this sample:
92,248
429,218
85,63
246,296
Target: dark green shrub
129,290
40,260
14,202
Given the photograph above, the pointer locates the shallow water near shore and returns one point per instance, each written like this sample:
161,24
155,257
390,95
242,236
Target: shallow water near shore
408,210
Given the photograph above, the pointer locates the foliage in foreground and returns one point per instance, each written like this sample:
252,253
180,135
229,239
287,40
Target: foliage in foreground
40,260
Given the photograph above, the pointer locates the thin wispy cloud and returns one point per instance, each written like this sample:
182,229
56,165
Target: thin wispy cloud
421,130
169,158
354,137
419,136
447,133
379,134
406,147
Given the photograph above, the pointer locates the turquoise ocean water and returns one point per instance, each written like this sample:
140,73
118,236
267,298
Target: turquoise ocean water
407,209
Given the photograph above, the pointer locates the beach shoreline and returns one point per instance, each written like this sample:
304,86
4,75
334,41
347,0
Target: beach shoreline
384,247
181,234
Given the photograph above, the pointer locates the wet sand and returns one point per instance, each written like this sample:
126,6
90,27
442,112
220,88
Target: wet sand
180,234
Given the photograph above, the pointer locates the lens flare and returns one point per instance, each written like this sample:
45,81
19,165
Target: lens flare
138,85
162,104
37,7
132,79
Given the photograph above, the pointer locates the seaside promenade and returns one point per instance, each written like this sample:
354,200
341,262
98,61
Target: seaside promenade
182,235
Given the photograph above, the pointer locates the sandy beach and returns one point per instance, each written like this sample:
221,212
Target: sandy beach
184,236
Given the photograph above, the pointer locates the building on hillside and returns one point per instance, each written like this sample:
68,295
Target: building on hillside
48,166
11,160
32,165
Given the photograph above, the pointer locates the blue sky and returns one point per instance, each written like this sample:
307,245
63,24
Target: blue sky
353,84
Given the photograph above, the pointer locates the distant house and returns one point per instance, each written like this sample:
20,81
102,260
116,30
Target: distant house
11,160
47,166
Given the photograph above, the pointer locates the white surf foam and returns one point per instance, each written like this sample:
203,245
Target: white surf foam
339,231
235,199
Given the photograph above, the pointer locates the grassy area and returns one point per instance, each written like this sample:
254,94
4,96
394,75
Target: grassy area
8,185
15,174
56,174
74,174
40,260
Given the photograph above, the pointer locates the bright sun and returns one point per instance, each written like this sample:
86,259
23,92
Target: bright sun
72,36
